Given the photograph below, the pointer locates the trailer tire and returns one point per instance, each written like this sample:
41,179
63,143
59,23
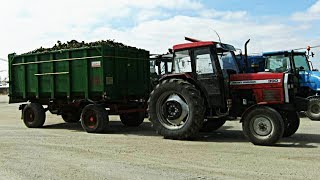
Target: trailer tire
132,119
313,111
210,125
94,118
34,115
71,117
176,109
263,125
292,123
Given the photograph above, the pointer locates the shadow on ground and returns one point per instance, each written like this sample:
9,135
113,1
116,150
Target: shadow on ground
223,135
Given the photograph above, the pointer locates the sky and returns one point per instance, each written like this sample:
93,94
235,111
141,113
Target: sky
158,25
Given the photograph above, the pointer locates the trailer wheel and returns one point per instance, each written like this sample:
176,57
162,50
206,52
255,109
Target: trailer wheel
313,111
263,125
94,118
292,123
176,109
132,119
71,117
210,125
34,115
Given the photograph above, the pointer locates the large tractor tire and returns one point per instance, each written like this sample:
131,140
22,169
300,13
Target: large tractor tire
292,123
176,109
132,119
94,118
263,125
210,125
313,111
34,115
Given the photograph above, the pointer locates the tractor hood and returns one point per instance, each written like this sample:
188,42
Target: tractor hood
310,79
268,88
256,80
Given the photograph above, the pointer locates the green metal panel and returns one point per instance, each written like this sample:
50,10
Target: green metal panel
120,73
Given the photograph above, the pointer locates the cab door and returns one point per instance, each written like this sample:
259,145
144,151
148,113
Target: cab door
207,76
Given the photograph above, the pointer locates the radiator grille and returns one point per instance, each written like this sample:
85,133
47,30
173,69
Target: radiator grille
271,95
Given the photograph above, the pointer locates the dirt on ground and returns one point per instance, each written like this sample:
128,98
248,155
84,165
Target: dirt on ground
65,151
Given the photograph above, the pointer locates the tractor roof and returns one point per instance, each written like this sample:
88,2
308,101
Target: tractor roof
193,45
202,44
282,53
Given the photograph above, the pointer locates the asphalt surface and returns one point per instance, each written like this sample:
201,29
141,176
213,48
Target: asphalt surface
65,151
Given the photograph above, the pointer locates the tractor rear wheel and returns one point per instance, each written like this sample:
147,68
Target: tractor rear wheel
313,111
210,125
292,123
94,118
34,115
263,125
176,109
132,119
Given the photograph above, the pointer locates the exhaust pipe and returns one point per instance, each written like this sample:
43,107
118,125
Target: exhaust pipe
246,55
192,39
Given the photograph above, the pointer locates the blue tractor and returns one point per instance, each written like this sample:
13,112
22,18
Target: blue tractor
283,61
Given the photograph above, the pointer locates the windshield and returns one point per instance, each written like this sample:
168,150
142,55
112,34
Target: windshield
228,61
182,62
301,62
203,61
277,63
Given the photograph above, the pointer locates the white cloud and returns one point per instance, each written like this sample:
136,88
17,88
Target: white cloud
313,13
27,25
225,15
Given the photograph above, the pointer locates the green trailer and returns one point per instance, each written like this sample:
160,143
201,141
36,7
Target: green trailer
87,83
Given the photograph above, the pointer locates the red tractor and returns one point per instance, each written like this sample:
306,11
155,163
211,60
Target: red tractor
206,88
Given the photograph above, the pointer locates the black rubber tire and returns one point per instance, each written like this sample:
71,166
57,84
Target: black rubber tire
71,117
276,128
132,119
310,113
292,123
210,125
34,115
94,118
193,98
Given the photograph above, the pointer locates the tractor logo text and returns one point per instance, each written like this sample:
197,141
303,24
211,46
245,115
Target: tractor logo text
246,82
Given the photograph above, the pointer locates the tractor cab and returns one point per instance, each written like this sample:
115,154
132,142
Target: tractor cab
284,61
208,64
159,66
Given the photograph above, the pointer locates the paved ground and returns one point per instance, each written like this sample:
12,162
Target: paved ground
64,151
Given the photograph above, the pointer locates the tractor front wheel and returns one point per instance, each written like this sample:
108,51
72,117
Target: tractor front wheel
263,125
313,111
